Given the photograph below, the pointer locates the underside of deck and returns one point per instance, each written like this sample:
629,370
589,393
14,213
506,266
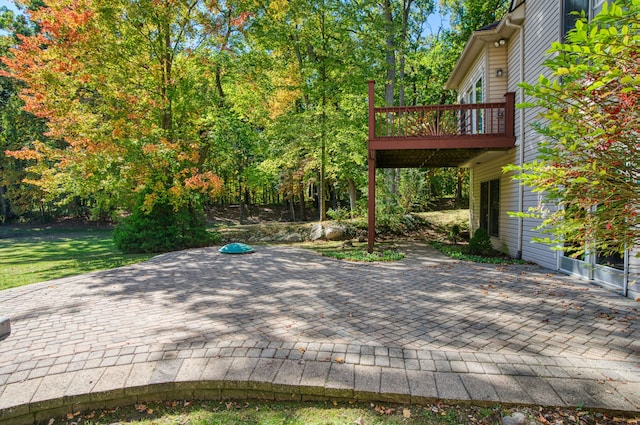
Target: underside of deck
454,151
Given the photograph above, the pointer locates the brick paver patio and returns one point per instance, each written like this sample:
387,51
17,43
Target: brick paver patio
286,323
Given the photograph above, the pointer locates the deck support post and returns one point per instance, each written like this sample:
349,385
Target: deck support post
509,110
371,228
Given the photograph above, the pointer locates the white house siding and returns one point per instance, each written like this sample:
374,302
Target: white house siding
496,86
476,70
491,169
541,27
513,77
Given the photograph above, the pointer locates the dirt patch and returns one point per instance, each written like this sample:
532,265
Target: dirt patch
230,215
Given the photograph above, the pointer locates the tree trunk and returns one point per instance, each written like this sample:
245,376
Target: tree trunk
333,197
167,64
4,205
247,199
406,8
323,129
460,182
240,203
292,210
352,196
303,210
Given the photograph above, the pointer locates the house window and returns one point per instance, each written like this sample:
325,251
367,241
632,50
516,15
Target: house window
478,99
473,121
590,8
490,206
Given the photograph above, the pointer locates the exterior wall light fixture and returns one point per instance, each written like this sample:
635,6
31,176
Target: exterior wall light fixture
499,72
500,43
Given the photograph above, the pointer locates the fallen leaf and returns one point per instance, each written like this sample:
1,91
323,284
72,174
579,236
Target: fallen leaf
360,421
302,350
140,407
542,419
149,411
406,413
339,360
51,421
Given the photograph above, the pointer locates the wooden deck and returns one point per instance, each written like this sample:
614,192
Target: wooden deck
434,136
438,135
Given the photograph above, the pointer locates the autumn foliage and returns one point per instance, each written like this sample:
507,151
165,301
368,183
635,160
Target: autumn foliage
123,87
589,163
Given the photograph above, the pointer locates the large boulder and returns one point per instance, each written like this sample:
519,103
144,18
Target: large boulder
335,232
316,232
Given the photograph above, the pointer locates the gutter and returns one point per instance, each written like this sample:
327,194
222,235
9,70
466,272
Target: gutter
625,282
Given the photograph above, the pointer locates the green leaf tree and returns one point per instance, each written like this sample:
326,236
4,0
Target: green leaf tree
588,164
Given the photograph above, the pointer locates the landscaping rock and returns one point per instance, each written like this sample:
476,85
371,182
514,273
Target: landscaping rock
5,327
347,244
516,418
291,237
335,232
316,232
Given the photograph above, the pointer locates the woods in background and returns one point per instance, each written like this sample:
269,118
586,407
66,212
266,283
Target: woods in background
113,107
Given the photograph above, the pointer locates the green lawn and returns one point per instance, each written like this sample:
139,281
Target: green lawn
37,255
290,413
194,412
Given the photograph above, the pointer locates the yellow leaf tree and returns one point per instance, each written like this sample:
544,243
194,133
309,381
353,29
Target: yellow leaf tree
122,86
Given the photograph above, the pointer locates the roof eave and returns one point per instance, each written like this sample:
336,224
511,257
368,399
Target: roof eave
473,47
478,41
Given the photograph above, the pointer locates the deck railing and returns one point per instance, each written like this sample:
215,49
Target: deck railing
441,121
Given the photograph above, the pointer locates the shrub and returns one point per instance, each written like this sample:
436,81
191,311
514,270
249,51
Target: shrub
339,214
454,233
163,230
480,243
